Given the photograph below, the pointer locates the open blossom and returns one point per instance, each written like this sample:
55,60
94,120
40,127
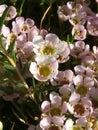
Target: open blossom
11,12
64,12
79,106
83,84
44,70
92,26
78,19
63,77
54,110
79,32
79,49
8,34
50,46
74,7
23,25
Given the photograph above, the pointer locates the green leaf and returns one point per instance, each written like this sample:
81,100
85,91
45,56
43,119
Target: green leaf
20,85
8,67
2,1
2,19
11,51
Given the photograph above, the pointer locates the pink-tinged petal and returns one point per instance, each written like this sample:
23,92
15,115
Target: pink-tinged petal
68,74
56,101
88,60
28,47
29,22
79,69
21,39
64,107
86,101
45,106
15,27
64,90
78,80
33,68
12,12
88,81
52,38
79,32
74,7
70,108
64,12
5,31
85,52
54,64
52,94
45,123
58,120
43,32
2,8
82,121
20,20
34,31
39,78
74,98
80,44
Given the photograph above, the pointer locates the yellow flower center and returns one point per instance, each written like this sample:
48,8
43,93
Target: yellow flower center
25,28
56,111
44,70
82,90
11,37
75,127
47,50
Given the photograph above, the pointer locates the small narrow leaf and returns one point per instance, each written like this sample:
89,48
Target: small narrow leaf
2,19
11,51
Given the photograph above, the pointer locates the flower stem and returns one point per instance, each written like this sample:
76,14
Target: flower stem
11,61
44,15
21,7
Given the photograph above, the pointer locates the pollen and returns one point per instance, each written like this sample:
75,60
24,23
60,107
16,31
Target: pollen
75,127
47,50
82,90
44,70
56,111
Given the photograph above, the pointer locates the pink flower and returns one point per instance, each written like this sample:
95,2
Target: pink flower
79,32
11,12
50,47
64,12
78,19
79,107
63,77
92,26
23,25
79,49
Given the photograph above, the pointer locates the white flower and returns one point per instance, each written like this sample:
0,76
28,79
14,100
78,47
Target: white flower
44,71
49,47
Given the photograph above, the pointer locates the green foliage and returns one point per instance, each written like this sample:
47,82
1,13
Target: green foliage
2,19
2,1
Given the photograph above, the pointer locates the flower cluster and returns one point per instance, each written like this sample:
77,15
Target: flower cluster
69,68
